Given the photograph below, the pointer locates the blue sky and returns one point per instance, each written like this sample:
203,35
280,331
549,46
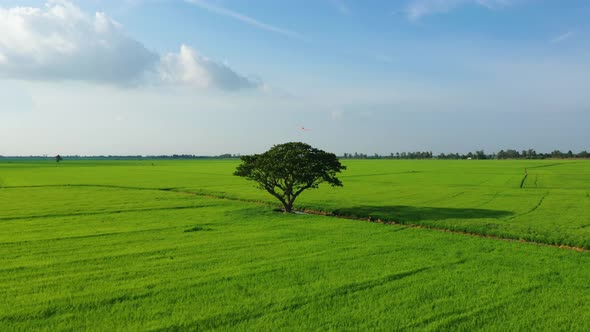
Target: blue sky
216,76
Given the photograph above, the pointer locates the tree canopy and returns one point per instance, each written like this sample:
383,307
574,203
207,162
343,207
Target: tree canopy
286,170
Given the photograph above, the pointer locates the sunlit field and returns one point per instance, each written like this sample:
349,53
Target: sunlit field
173,245
484,197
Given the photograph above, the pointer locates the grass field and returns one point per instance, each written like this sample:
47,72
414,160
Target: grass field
483,197
136,245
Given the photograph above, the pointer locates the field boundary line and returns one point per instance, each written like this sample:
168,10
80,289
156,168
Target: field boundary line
81,214
489,200
91,185
75,237
554,164
440,199
381,174
526,172
526,175
531,210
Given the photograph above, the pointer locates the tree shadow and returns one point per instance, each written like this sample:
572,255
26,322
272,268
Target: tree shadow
402,213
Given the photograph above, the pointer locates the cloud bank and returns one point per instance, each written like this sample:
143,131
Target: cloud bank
189,68
61,42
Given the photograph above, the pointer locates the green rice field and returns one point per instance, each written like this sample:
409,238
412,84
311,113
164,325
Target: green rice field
184,245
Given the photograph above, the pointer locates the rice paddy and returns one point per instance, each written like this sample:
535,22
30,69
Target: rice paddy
184,245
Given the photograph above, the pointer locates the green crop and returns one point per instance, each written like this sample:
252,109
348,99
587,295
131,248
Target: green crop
183,245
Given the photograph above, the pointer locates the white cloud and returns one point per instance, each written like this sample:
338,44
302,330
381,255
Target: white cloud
563,37
59,41
243,18
417,9
189,68
341,6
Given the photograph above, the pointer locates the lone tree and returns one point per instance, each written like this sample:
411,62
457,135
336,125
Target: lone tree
286,170
58,158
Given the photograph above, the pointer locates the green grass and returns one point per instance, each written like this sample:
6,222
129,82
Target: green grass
123,246
482,197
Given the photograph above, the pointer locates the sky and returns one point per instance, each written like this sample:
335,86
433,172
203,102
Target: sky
206,77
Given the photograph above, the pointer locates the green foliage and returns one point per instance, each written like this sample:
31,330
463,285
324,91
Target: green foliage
286,170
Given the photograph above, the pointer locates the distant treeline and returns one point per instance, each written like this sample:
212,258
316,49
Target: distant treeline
502,154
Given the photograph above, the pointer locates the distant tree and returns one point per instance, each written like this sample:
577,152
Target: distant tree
531,154
480,155
512,154
58,158
286,170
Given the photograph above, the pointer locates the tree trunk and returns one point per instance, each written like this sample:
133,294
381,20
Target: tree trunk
288,207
